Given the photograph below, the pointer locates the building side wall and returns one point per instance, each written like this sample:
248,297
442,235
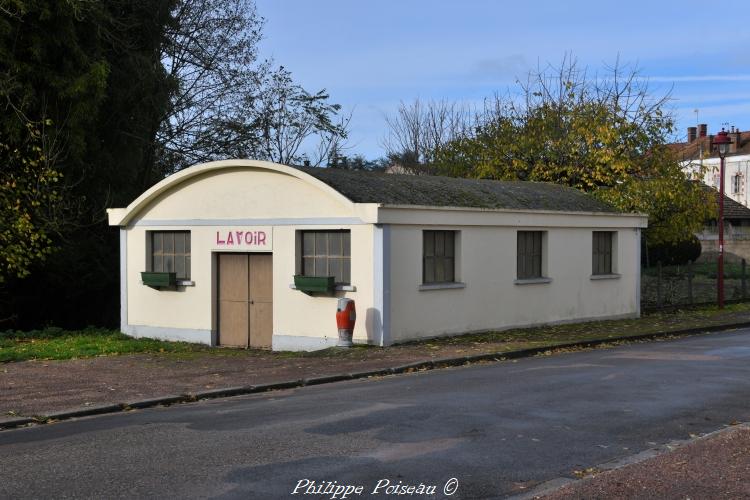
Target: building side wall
490,298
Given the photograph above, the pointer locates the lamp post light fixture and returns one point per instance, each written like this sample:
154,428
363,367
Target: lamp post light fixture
722,142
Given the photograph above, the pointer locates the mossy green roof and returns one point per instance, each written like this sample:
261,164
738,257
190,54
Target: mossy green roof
427,190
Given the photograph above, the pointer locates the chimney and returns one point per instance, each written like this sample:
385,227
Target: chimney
692,134
710,145
702,130
734,135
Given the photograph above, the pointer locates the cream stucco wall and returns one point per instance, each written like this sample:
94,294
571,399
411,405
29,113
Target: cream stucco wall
487,266
188,307
295,313
299,315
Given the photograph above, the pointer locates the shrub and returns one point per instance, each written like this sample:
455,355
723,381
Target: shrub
675,254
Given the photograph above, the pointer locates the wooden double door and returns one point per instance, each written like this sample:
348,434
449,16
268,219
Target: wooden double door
245,299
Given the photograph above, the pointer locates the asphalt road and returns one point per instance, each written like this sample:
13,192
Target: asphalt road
494,428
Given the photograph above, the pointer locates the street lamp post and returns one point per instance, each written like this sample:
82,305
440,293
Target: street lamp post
722,142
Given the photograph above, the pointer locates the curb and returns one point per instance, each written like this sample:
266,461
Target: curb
328,379
9,423
147,403
372,373
79,412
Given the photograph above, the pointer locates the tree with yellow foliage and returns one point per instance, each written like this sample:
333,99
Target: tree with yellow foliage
604,135
28,189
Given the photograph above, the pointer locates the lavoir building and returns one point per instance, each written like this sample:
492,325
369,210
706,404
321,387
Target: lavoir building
252,253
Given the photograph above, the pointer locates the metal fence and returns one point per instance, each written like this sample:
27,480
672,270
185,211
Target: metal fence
693,283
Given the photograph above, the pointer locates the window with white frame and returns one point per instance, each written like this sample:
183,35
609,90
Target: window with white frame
736,183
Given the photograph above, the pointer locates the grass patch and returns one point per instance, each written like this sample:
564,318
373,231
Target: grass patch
56,343
577,332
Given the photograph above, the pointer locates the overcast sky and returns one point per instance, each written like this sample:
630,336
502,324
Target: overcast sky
370,55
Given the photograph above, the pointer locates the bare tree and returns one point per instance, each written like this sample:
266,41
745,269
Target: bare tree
417,130
226,102
286,118
210,54
333,145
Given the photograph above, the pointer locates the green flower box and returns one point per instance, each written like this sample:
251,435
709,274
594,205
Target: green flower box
159,280
314,284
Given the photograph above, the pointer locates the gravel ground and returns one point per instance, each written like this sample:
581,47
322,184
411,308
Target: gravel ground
714,467
35,387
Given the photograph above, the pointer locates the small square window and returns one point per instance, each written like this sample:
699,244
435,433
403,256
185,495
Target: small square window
169,252
326,253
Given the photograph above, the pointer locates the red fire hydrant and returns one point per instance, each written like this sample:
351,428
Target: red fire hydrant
346,315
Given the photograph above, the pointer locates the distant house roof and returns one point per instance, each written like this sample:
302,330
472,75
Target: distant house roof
732,209
692,150
426,190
